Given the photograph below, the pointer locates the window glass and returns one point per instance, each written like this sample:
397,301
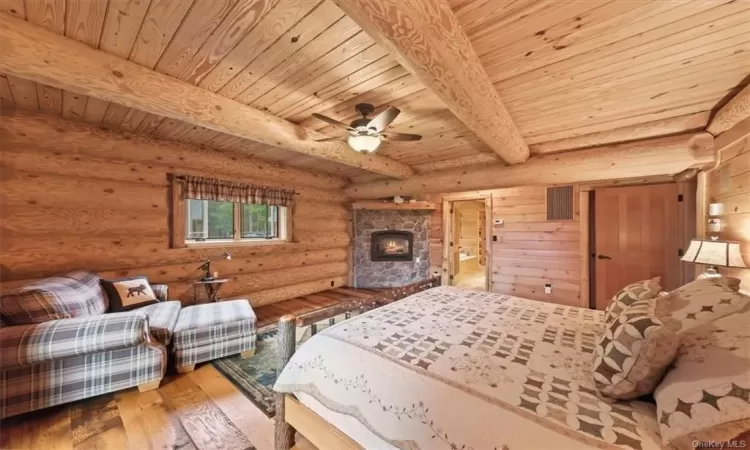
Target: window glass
220,219
260,221
211,220
195,222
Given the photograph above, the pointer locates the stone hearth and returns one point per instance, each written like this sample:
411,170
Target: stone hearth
375,274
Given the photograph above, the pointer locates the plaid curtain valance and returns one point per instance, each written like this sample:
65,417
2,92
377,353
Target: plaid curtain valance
202,188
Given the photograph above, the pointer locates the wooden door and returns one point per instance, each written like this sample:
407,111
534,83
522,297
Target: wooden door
636,236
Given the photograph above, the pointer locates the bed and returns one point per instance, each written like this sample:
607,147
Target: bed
458,369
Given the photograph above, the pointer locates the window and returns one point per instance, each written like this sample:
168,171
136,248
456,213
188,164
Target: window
208,220
208,211
259,221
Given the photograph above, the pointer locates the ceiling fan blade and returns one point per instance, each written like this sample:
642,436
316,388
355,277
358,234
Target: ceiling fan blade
393,136
382,120
333,122
331,139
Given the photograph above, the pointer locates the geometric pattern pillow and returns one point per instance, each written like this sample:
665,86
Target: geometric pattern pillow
706,395
703,301
635,350
633,292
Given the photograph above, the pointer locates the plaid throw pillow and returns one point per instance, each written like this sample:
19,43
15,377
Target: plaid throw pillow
128,293
76,294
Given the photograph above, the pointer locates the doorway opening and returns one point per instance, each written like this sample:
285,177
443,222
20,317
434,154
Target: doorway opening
468,249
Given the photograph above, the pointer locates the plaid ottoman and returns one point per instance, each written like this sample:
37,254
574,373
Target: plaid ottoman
211,331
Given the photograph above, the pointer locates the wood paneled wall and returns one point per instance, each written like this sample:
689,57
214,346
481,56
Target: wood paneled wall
729,184
78,197
531,251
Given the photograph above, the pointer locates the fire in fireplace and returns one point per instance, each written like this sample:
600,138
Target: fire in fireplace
392,246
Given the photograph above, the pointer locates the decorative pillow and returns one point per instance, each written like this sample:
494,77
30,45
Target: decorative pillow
706,396
703,301
635,350
128,293
76,294
633,292
730,282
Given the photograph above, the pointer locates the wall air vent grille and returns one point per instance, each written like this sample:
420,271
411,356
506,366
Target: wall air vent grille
560,203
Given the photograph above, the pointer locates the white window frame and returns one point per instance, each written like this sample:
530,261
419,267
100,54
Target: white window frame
283,221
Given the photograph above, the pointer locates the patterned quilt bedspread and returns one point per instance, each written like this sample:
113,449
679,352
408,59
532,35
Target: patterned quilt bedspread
451,368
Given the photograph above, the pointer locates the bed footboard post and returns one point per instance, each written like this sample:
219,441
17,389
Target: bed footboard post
287,344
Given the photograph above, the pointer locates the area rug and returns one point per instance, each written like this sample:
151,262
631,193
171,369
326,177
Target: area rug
255,377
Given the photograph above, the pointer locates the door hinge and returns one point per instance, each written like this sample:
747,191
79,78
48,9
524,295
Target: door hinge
450,277
451,210
680,252
451,244
679,197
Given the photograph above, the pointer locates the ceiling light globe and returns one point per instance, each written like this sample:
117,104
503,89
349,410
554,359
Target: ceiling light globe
364,143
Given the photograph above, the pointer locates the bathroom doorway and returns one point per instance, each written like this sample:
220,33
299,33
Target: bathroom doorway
468,255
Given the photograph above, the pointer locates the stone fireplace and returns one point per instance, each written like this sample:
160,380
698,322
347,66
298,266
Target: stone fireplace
391,247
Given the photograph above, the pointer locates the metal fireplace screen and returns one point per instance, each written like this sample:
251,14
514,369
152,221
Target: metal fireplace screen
392,246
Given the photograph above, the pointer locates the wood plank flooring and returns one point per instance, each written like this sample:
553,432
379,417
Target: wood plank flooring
471,280
195,411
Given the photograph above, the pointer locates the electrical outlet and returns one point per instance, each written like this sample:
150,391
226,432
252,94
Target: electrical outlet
548,288
418,259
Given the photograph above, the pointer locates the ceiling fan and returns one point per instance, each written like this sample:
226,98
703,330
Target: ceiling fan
365,135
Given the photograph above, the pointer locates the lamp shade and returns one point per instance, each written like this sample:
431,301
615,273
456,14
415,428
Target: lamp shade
714,253
364,143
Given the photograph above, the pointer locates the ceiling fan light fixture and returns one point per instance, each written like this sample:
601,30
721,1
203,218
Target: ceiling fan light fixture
364,143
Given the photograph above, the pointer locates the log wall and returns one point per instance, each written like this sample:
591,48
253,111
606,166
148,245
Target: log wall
729,184
78,197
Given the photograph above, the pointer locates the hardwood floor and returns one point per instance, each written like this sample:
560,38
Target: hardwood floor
471,280
199,410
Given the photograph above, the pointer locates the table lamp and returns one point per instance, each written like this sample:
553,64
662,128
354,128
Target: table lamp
714,253
208,276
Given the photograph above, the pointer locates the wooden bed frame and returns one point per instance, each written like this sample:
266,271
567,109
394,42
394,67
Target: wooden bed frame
292,415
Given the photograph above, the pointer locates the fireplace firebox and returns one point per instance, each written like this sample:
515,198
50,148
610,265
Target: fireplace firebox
392,246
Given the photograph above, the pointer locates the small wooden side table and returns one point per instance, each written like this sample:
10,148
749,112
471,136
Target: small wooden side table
212,288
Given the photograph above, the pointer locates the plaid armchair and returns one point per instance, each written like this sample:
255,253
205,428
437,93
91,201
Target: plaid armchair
79,351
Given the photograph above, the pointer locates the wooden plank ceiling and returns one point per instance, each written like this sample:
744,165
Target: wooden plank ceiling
563,69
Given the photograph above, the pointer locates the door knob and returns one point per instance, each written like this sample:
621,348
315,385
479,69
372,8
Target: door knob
603,257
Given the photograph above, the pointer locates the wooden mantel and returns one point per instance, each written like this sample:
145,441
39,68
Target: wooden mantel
391,205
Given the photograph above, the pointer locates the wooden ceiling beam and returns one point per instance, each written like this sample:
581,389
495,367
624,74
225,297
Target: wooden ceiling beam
647,158
738,132
36,54
663,127
736,110
463,161
427,39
